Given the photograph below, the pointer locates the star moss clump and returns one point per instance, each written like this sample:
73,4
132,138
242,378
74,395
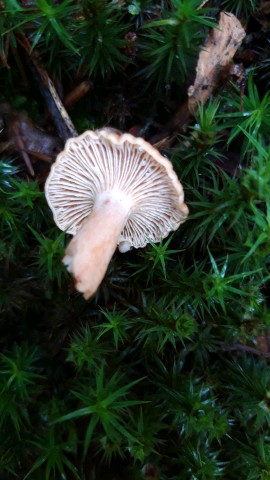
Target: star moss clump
165,373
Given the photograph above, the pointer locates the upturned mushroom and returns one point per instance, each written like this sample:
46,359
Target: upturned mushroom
110,189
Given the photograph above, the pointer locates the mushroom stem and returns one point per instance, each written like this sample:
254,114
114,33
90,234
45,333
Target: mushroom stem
91,249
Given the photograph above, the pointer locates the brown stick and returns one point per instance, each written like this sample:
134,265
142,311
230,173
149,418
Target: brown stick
77,93
202,4
19,142
63,124
244,348
4,56
40,156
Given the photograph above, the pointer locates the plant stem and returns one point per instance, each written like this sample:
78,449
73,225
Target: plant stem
90,251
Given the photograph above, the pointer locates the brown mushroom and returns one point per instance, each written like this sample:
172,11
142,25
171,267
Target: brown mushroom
110,189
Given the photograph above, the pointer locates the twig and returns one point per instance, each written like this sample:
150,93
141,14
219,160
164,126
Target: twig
202,4
40,156
4,55
63,124
21,68
244,348
77,93
20,144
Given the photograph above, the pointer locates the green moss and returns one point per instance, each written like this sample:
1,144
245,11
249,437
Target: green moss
163,370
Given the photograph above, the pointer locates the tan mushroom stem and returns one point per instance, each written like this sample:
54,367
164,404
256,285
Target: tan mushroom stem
91,249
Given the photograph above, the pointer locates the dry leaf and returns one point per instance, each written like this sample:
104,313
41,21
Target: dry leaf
217,53
19,133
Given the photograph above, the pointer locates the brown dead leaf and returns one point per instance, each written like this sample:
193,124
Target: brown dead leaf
216,54
20,134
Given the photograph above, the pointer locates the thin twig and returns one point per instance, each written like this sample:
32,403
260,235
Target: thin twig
20,144
244,348
40,156
4,55
77,93
63,123
202,4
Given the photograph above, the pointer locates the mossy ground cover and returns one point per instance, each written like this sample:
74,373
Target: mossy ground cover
165,373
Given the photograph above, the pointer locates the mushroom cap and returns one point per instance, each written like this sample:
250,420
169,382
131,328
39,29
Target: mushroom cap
108,161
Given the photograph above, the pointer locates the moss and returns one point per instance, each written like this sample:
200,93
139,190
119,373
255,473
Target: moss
164,373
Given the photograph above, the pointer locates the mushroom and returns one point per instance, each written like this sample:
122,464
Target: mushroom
109,189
